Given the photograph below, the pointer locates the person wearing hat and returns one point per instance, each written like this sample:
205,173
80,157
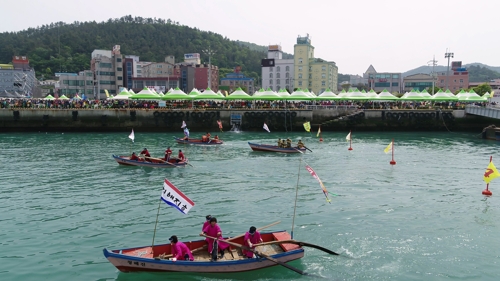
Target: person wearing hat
251,237
214,246
179,250
168,152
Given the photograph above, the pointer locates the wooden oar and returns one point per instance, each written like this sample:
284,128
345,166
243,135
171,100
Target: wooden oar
300,243
307,148
162,161
229,239
261,254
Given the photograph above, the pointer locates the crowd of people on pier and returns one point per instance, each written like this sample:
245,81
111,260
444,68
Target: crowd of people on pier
75,104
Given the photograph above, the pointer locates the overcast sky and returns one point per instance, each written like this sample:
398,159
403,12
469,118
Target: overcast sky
392,35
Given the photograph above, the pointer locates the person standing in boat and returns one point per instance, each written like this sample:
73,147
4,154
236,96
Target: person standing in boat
214,246
180,157
168,153
179,250
251,237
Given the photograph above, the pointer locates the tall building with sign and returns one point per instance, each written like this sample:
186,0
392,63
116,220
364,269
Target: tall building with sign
312,73
279,74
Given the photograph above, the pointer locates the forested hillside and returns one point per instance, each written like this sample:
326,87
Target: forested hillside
61,47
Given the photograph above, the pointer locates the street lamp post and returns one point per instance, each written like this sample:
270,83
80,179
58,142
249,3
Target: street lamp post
433,61
448,56
209,52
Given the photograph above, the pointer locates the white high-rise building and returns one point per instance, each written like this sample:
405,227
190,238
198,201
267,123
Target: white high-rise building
281,75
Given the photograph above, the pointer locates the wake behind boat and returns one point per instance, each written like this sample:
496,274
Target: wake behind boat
149,258
152,162
198,141
275,148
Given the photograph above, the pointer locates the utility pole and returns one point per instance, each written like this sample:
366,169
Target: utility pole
433,61
448,56
209,52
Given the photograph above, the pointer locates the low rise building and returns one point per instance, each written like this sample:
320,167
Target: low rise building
238,80
418,82
280,76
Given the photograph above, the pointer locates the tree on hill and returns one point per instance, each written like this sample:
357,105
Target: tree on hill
61,47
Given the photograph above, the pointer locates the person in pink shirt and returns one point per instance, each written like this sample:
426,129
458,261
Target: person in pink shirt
214,246
251,237
179,250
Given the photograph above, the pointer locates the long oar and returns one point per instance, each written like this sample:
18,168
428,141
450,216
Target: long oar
229,239
162,161
307,148
261,254
300,243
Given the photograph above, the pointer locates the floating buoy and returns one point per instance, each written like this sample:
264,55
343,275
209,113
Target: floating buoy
392,162
320,139
487,192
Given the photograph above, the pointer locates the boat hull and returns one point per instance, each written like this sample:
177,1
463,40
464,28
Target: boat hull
125,160
274,148
491,133
148,258
198,142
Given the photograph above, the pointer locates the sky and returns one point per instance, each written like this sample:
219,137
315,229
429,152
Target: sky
391,35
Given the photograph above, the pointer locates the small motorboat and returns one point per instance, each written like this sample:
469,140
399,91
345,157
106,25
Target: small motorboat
149,162
275,148
198,141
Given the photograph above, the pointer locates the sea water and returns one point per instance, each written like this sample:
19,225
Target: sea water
64,199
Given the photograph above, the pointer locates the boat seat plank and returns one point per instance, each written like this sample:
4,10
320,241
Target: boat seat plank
285,236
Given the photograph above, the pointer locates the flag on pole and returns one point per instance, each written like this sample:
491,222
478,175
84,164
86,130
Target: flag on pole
490,173
319,132
186,132
175,198
107,94
220,125
132,136
348,138
307,126
313,173
266,128
183,124
388,148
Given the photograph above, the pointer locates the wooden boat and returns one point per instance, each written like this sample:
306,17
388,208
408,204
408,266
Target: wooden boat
149,258
491,132
198,141
153,163
275,148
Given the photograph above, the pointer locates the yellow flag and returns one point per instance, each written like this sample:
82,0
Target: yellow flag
107,94
307,126
491,173
319,132
388,148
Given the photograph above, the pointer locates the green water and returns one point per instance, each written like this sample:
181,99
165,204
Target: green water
63,199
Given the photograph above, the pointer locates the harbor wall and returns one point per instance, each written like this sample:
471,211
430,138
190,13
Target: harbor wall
154,120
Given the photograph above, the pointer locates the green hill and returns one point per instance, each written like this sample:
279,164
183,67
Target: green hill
61,47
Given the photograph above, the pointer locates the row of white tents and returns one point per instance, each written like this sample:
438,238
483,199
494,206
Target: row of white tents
298,95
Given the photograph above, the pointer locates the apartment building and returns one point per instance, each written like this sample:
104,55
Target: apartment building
455,79
280,76
312,73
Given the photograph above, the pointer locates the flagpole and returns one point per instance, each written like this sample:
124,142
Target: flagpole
154,233
296,196
392,148
487,192
350,140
